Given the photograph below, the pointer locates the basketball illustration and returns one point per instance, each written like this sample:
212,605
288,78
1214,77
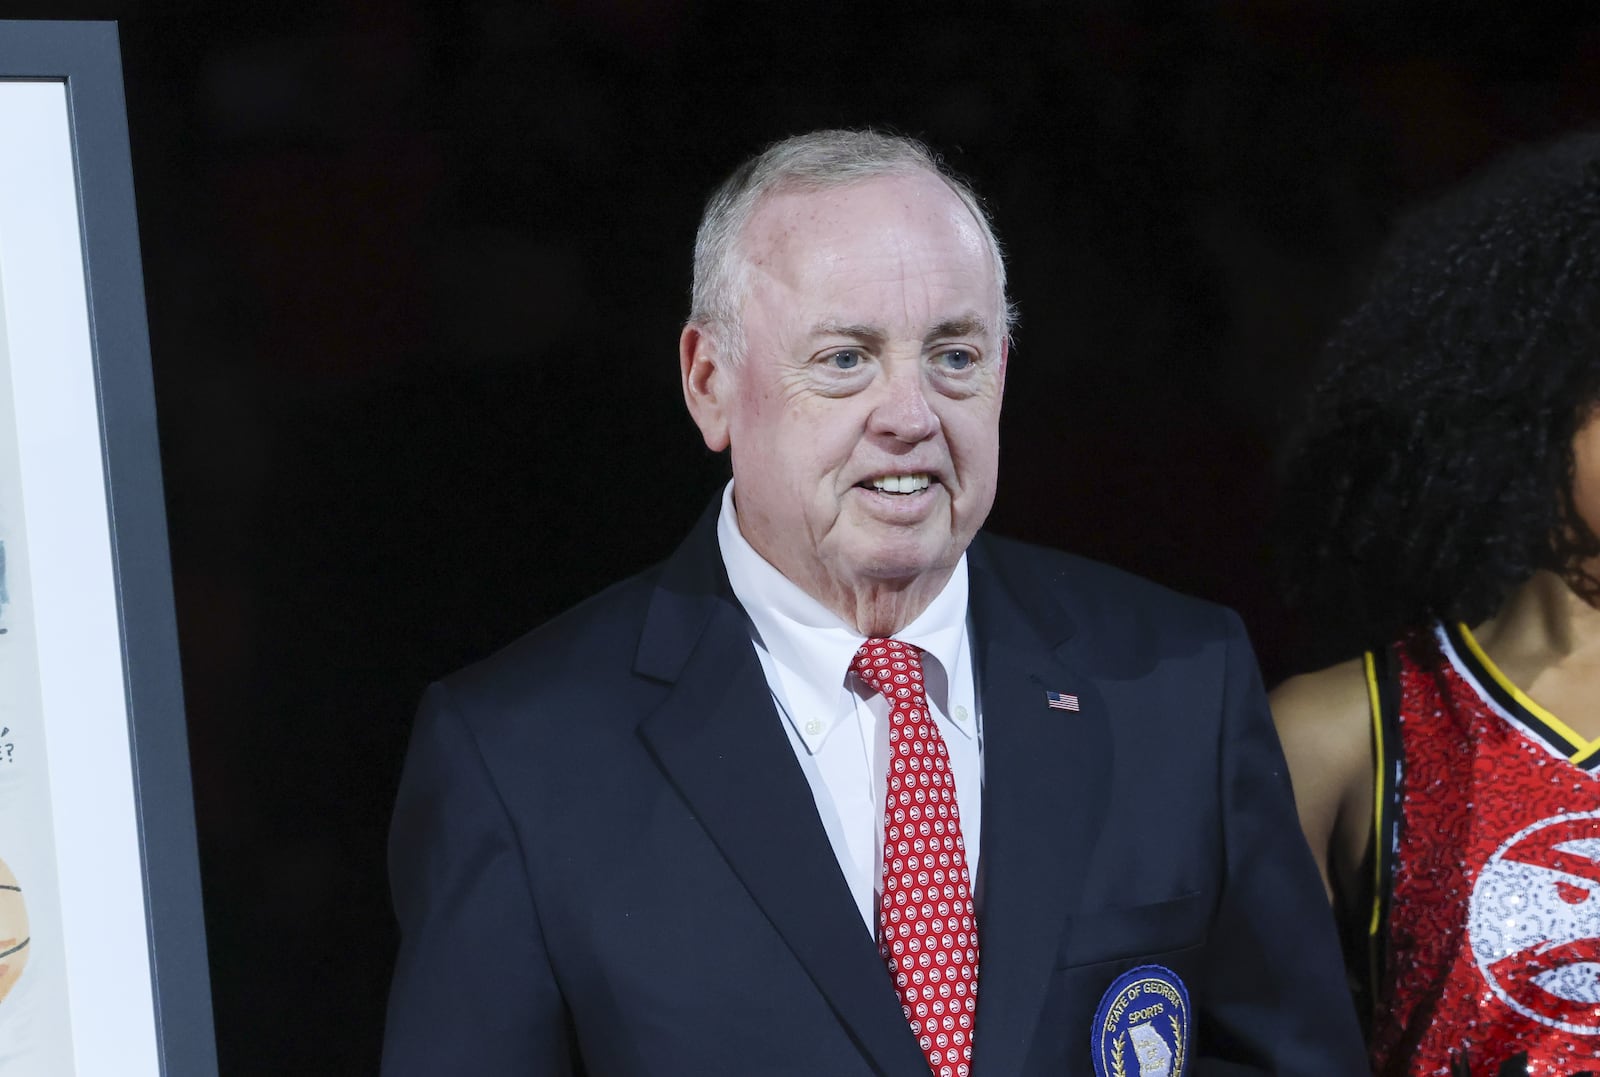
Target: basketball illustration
13,931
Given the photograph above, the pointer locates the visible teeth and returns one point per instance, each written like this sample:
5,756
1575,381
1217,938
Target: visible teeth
902,484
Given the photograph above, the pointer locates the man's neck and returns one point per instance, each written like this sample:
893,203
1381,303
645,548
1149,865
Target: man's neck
873,606
883,608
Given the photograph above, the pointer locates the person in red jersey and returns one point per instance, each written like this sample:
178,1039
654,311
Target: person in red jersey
1443,500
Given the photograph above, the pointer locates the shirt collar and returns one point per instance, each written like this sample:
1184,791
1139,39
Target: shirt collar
812,648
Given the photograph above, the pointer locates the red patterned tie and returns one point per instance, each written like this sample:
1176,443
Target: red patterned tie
927,932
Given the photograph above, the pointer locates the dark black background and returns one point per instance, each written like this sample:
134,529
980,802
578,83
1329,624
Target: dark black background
415,272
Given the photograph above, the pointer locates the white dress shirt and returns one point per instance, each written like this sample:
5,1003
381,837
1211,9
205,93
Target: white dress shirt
839,726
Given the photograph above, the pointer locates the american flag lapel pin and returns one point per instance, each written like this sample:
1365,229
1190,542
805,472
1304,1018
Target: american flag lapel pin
1061,701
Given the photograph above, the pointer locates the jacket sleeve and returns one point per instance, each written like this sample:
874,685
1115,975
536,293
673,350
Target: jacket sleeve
1277,998
473,989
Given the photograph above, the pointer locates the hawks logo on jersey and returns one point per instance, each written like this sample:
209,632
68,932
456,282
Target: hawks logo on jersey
1534,922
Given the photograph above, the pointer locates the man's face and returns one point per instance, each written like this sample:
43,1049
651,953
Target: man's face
864,417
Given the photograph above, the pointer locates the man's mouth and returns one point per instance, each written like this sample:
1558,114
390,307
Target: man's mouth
899,484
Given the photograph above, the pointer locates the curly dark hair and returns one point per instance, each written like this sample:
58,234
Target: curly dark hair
1434,471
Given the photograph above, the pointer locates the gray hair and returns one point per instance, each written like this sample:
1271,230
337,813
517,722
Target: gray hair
817,161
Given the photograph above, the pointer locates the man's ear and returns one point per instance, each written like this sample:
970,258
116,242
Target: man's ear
707,383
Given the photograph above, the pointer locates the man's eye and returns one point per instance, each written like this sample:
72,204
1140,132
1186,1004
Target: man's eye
845,360
957,359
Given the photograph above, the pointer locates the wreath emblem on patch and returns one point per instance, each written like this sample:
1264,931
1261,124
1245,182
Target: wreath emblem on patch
1142,1026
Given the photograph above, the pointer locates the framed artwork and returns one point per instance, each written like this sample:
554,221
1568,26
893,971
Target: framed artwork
102,943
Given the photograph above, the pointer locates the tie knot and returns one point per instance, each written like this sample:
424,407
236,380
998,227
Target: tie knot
887,664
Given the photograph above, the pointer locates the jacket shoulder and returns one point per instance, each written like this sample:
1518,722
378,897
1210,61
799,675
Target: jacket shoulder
594,641
1117,608
1117,621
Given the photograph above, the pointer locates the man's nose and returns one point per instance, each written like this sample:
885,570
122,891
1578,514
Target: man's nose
905,411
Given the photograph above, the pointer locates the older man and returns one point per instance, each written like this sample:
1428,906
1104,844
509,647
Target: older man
846,786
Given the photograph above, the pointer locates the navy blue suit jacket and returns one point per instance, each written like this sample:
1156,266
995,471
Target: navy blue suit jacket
606,860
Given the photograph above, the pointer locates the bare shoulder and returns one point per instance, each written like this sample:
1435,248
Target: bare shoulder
1326,707
1324,720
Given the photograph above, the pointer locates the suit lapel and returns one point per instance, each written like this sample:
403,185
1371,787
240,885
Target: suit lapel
717,737
1046,772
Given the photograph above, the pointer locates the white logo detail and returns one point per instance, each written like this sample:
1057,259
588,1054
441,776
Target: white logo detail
1155,1057
1534,922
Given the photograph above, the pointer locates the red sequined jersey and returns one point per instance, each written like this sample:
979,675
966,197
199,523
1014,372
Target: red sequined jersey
1488,877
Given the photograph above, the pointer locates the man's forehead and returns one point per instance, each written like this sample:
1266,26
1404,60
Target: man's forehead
806,238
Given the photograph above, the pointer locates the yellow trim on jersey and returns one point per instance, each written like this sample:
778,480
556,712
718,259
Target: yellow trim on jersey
1582,747
1377,793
